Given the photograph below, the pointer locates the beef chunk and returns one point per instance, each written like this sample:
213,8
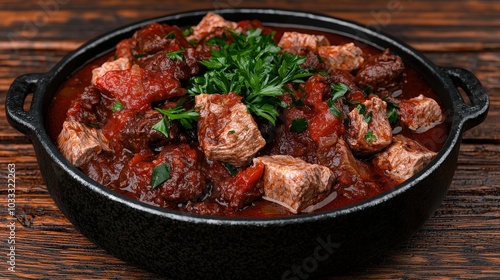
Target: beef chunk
80,143
186,181
301,44
119,64
210,23
403,158
181,69
420,113
136,88
344,57
380,72
296,184
244,188
369,131
226,131
138,135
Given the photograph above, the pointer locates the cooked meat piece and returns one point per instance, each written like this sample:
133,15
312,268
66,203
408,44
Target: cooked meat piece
80,143
138,135
344,57
210,23
152,38
380,72
338,157
403,158
180,69
185,181
136,88
420,113
301,44
226,131
243,188
369,131
118,64
294,183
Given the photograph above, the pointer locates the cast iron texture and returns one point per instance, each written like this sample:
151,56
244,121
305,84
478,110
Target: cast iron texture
185,246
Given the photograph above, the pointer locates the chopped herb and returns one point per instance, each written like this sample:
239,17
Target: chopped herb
170,35
91,125
367,89
161,173
367,118
392,112
185,117
338,91
140,55
361,108
163,126
320,59
370,137
231,131
333,109
323,73
230,168
298,125
254,67
188,31
176,54
295,102
217,40
117,106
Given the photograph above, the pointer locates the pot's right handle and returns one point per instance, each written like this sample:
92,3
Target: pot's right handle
472,114
23,120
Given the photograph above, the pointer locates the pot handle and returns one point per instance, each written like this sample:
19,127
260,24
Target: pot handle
22,120
472,114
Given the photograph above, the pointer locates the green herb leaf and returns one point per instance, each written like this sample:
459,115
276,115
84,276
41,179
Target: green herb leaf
370,137
367,90
392,112
188,31
140,55
176,54
117,106
161,173
367,118
298,125
230,168
163,126
333,109
186,118
254,67
231,131
339,90
170,35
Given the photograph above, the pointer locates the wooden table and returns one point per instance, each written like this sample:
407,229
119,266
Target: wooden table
462,239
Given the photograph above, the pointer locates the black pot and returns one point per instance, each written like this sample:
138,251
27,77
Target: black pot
188,246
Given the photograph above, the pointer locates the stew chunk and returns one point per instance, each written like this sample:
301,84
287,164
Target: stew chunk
370,130
420,113
343,57
301,44
226,131
403,158
294,183
80,143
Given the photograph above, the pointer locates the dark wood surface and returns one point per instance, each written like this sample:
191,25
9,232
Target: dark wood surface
461,240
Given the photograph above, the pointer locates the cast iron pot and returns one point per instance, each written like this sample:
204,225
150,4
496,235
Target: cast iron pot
187,246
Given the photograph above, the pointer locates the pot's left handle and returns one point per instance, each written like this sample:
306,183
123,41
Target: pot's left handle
23,120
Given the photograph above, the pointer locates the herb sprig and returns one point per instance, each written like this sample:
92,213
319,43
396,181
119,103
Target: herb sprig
254,67
185,117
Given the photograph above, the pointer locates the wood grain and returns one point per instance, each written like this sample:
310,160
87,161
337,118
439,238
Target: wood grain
461,240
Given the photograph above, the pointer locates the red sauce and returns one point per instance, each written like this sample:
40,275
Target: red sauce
323,123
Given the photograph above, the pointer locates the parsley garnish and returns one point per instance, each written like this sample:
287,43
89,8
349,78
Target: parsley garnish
392,112
161,173
298,125
367,118
185,118
139,55
188,31
176,54
117,106
370,137
230,168
338,90
170,35
253,67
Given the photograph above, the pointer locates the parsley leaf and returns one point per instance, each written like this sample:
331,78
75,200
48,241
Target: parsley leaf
367,118
188,31
254,67
185,117
230,168
117,106
161,173
338,91
370,137
298,125
176,54
392,112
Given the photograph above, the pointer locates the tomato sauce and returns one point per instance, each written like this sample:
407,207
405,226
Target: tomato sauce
301,144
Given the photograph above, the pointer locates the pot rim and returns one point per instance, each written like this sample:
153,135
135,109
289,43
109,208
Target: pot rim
41,135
